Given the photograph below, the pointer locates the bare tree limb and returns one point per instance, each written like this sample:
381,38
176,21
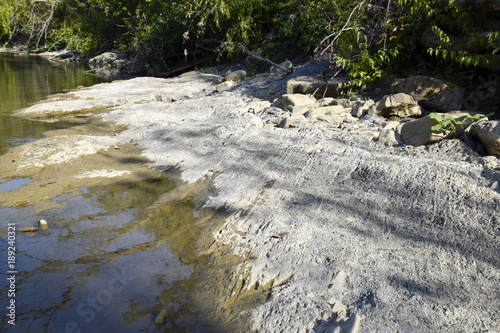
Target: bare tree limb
45,27
251,55
337,34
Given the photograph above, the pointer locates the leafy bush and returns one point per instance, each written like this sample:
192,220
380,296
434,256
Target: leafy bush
449,124
384,35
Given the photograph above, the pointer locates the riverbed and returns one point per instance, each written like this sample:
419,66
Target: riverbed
317,229
119,253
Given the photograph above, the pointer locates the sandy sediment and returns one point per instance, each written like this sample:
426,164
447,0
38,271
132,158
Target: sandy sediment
340,233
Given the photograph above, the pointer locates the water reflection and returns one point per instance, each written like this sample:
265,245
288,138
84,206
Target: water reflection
13,183
111,259
25,80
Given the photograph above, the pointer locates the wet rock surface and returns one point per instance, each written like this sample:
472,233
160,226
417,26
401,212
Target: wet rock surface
349,228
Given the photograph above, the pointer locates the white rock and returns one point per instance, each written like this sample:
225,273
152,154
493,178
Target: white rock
285,123
287,101
43,225
236,76
261,105
362,109
225,85
337,109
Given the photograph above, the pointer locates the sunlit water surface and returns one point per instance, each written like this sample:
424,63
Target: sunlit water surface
104,265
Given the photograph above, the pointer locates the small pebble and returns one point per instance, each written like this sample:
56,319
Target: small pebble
161,319
43,225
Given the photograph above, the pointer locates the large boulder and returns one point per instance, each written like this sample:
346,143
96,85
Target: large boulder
399,105
108,59
431,93
488,132
418,132
115,65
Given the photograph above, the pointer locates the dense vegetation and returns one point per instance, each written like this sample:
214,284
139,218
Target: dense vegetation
366,39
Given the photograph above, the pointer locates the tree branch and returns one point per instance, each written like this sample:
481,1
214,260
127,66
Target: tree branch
251,55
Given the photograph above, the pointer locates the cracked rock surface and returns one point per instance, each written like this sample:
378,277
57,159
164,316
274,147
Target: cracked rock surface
346,233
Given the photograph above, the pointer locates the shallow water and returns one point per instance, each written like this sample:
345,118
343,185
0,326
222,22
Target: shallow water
113,257
27,79
13,183
109,262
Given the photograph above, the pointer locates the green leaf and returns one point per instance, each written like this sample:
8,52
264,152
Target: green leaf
437,118
437,128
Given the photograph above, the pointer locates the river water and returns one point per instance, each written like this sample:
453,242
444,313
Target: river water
114,257
26,79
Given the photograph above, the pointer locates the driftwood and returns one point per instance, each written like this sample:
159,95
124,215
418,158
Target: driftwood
256,57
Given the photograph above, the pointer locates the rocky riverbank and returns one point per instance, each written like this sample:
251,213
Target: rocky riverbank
340,221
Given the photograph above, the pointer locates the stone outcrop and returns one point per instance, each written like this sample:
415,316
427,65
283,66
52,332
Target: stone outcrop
114,65
312,85
488,132
431,93
309,198
399,105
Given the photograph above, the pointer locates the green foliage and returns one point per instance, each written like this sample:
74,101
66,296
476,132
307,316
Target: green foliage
385,35
5,25
155,32
307,22
79,33
447,123
374,39
369,38
260,24
13,15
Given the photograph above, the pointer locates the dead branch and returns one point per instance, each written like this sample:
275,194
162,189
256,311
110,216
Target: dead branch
45,27
253,56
